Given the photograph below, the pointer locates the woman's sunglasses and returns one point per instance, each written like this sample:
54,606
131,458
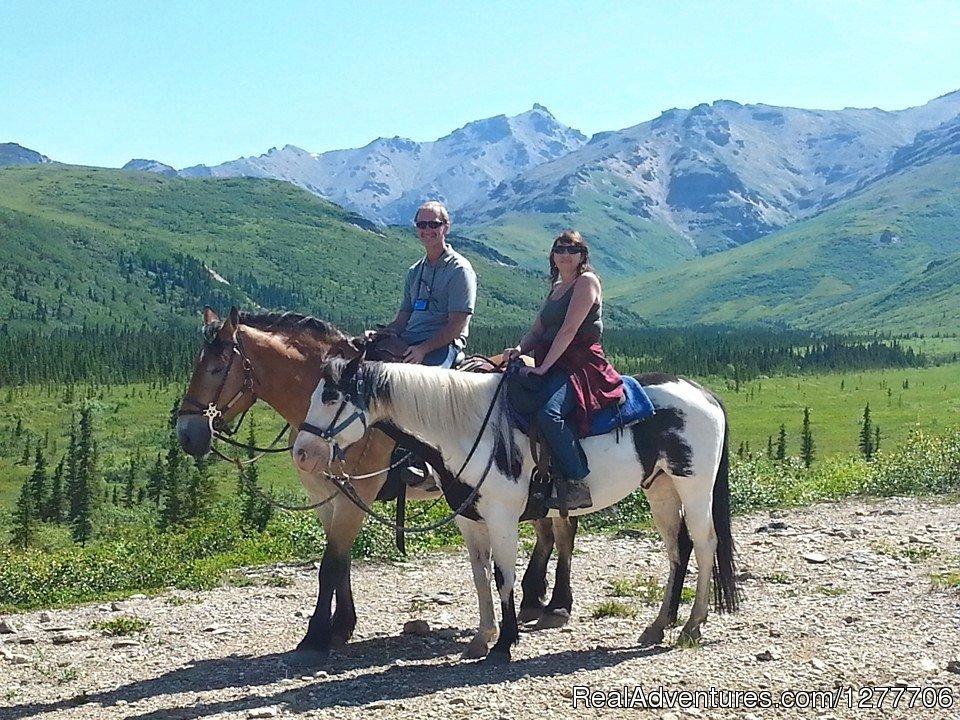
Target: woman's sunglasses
567,249
432,224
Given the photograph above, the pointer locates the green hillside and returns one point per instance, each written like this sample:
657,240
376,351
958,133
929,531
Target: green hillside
85,246
879,248
927,300
623,243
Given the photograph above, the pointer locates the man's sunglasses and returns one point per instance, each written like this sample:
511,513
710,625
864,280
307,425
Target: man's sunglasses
567,249
432,224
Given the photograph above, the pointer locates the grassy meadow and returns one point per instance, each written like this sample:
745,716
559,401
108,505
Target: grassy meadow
918,411
131,419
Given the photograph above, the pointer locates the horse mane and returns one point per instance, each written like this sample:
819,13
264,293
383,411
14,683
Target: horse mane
450,404
293,323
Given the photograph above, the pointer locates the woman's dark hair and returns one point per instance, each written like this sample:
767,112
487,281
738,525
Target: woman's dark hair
570,237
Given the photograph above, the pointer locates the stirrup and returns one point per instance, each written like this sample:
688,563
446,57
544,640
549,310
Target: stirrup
570,495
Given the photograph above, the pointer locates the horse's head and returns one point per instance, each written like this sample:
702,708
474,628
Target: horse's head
220,388
338,413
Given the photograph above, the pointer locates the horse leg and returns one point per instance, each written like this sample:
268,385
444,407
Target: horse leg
345,615
534,582
341,522
697,511
557,612
504,536
477,539
665,507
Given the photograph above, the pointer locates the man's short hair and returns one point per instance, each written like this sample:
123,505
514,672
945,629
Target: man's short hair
437,207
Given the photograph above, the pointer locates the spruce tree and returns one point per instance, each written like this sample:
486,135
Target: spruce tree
876,439
156,481
85,491
781,444
806,440
200,488
54,510
866,445
24,518
174,511
255,511
37,483
129,483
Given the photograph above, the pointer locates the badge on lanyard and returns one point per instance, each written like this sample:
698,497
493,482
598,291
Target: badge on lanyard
420,304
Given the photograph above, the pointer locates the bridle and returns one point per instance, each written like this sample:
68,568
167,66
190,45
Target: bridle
213,411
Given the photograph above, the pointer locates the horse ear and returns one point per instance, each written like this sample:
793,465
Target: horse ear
228,331
352,367
209,315
347,347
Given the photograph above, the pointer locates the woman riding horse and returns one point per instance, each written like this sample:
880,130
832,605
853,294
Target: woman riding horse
679,456
576,377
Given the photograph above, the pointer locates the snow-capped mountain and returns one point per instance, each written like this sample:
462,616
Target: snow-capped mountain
719,174
13,154
388,178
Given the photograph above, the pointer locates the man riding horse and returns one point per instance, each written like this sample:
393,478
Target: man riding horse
439,295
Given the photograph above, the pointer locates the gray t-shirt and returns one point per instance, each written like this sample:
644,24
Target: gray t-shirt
430,293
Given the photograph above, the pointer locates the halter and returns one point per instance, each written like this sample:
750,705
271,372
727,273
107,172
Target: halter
213,411
343,484
333,429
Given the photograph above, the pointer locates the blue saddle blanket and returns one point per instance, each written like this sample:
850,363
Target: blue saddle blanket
636,406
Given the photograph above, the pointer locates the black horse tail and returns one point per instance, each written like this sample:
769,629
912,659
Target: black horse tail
726,596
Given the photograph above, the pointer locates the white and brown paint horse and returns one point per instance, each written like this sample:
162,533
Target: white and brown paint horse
679,456
277,358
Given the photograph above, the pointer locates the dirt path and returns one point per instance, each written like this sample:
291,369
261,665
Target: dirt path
858,612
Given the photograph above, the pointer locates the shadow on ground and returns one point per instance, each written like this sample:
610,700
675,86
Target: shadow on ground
384,682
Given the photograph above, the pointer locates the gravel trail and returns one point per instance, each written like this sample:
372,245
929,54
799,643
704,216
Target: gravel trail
837,597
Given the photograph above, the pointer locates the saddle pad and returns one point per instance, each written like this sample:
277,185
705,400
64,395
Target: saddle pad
636,406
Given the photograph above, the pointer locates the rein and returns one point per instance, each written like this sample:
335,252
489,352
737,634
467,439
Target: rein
214,414
342,481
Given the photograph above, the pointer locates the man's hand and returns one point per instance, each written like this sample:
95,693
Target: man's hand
415,354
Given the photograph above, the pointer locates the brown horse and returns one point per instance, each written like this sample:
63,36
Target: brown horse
277,358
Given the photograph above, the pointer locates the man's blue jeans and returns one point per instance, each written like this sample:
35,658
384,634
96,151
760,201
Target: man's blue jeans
553,418
442,357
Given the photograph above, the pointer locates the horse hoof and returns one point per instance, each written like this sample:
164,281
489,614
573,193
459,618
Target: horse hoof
529,614
308,657
689,638
475,650
553,619
651,636
498,657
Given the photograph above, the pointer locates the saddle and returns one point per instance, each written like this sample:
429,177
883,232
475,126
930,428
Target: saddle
524,401
385,346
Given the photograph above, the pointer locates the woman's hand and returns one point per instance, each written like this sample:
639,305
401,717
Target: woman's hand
511,353
531,370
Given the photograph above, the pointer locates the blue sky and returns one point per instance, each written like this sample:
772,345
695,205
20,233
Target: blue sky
99,82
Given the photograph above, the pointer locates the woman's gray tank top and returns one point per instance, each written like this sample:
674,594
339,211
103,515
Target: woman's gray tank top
553,313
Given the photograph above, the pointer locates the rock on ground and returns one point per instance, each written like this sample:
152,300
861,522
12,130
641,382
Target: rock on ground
863,614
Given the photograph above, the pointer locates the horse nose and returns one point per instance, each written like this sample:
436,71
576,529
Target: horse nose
301,456
191,442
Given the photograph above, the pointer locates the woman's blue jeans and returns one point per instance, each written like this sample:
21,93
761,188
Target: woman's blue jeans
557,403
